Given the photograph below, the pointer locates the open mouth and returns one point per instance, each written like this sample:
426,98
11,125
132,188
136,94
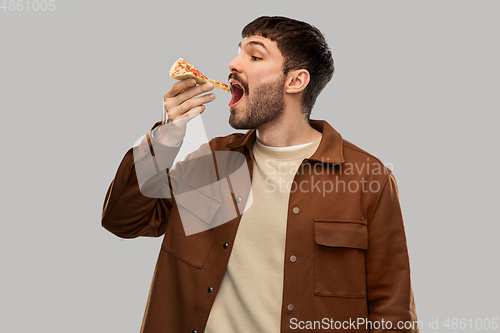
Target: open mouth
237,93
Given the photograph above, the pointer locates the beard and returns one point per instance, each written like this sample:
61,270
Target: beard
264,105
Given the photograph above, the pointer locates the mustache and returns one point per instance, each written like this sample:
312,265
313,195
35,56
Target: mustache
237,77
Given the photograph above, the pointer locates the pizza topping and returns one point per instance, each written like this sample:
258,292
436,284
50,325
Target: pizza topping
224,85
184,67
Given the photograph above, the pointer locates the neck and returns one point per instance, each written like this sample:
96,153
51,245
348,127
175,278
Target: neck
287,131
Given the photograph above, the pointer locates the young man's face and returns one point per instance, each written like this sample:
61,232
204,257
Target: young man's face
257,84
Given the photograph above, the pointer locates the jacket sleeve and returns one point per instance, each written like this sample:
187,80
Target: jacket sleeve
389,290
139,200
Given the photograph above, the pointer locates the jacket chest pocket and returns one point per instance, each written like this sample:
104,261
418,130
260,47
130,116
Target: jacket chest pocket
339,258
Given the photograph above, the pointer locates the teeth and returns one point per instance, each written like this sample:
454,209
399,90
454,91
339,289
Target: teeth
237,84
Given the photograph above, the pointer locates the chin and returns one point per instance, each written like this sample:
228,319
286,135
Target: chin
233,123
236,123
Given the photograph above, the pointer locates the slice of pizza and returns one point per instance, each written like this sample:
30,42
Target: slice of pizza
182,69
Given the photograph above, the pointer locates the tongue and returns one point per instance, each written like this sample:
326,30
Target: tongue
237,94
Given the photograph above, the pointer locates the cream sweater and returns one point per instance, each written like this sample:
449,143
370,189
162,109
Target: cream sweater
250,295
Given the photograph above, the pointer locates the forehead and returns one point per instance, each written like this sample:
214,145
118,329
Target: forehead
259,41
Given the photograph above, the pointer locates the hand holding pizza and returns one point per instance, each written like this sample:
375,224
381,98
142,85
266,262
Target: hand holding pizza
180,102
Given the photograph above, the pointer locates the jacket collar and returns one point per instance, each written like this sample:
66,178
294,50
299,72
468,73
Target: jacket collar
330,148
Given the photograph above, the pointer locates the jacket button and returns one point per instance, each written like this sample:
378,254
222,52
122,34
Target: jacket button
290,307
296,210
293,258
226,245
210,289
238,200
195,331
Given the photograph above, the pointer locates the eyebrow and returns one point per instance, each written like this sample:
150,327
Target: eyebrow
254,42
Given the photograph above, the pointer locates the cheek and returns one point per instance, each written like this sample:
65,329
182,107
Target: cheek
262,75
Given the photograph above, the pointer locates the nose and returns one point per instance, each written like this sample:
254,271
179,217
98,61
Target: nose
235,65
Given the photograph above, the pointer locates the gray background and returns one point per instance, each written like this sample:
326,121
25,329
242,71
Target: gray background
416,84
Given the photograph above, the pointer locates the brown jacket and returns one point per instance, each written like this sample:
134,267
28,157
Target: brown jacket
346,257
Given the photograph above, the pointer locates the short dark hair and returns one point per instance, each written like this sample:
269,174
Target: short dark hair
303,46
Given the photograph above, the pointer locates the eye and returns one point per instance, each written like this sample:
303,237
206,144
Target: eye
255,58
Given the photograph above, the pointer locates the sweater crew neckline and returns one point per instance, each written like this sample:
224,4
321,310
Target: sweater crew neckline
287,153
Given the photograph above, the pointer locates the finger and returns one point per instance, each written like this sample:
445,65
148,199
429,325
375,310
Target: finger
191,92
186,117
179,87
179,110
184,95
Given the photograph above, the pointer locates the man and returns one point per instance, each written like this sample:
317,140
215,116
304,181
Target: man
316,243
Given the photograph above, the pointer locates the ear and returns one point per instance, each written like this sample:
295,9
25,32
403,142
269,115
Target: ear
296,81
